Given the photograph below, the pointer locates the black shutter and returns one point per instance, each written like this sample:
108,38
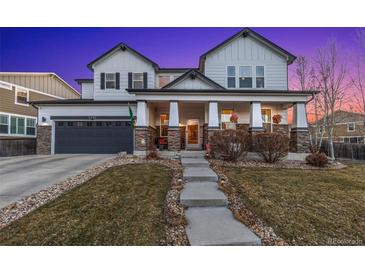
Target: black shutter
102,80
145,80
129,79
117,80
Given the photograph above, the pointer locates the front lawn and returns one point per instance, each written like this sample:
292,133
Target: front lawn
306,207
121,206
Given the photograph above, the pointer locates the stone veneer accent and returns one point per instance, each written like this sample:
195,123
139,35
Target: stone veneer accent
44,140
144,138
205,135
174,139
299,141
281,128
253,133
244,127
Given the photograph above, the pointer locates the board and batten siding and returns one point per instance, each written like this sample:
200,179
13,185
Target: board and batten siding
189,83
122,62
46,83
248,52
87,90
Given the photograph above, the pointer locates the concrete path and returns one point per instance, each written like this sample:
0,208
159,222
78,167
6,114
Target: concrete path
21,176
210,222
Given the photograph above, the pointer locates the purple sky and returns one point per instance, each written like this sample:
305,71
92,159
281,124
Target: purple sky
67,51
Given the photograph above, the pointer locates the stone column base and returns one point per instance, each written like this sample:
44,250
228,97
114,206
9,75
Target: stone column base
211,132
299,141
281,128
141,139
174,139
253,133
44,140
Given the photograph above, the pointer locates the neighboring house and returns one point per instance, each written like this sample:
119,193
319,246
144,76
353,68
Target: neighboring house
176,108
18,118
349,128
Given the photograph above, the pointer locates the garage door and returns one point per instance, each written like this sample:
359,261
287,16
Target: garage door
93,137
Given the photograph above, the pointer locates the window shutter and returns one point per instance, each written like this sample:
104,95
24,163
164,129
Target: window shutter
117,80
145,80
129,79
102,80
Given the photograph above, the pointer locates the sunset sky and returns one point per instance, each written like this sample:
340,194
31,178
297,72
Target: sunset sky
67,51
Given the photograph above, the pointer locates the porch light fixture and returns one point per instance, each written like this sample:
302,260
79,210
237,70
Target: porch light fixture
44,119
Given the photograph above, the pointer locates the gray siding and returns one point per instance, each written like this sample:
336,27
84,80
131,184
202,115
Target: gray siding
87,90
248,51
122,62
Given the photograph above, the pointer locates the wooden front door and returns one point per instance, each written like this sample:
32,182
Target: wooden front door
192,134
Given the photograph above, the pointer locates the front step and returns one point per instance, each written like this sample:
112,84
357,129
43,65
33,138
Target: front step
202,194
194,162
217,226
199,174
192,154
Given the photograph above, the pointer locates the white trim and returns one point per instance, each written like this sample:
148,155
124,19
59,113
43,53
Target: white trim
29,89
26,117
348,124
18,89
40,74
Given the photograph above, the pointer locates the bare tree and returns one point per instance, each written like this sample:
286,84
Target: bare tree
305,75
331,77
358,81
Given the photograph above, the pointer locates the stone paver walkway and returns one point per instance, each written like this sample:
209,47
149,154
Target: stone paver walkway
210,222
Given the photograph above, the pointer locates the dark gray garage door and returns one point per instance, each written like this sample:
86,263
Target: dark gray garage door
93,137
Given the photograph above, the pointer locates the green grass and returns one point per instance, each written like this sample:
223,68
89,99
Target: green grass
307,207
121,206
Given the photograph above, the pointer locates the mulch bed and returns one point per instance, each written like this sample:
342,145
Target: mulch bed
173,210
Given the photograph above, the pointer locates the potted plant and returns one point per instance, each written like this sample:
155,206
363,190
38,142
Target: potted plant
234,118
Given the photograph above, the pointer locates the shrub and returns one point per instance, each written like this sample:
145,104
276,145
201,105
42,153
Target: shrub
271,146
317,159
229,144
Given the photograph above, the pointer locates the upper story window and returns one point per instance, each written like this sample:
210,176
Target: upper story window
350,127
245,77
163,80
137,80
260,76
231,76
21,96
110,80
4,124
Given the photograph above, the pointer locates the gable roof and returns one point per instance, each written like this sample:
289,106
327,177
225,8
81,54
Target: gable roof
245,32
48,74
193,74
342,116
123,47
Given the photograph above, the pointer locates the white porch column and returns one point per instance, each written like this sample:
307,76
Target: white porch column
299,116
142,114
213,117
174,115
255,117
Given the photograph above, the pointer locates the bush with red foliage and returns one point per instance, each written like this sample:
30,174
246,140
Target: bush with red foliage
229,144
318,159
271,146
276,119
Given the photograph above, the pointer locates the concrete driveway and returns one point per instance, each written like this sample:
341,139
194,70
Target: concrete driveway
22,176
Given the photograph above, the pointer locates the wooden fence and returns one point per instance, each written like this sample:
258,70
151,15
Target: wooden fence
16,147
346,150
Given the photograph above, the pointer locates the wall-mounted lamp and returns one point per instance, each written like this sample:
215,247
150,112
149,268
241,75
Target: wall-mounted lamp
44,119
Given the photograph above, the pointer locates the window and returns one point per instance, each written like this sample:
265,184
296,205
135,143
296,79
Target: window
164,124
231,77
70,124
137,80
4,124
21,96
110,80
266,115
17,125
30,127
226,119
260,76
245,77
350,127
163,81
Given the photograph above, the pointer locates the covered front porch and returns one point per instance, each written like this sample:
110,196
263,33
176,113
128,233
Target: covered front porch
168,124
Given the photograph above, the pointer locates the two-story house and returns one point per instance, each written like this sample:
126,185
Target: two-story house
18,119
176,108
